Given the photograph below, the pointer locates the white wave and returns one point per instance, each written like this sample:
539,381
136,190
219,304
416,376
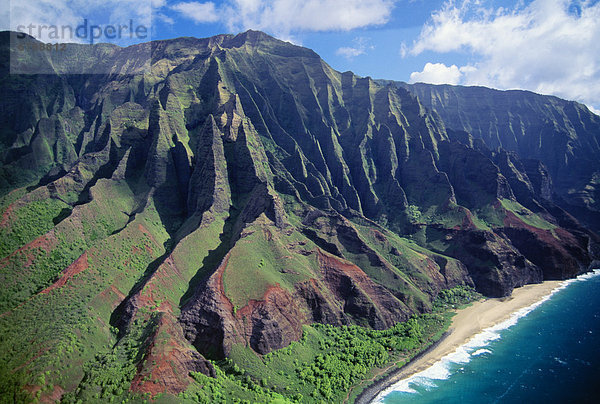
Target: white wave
437,371
473,347
461,355
481,352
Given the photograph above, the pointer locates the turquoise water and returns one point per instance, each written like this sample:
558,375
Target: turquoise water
547,353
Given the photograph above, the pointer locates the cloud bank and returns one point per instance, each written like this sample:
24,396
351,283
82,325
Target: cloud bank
548,46
439,73
283,17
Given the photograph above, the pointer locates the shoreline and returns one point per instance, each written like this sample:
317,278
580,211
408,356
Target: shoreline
370,392
466,324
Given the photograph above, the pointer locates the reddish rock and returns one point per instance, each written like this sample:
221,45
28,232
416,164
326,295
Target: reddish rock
168,360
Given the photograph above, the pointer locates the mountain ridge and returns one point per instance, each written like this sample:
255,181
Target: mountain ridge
571,125
217,204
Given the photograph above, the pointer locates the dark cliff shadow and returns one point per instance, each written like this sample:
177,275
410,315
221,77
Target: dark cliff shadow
214,258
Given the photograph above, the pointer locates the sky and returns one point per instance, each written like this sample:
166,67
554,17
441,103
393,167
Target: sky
546,46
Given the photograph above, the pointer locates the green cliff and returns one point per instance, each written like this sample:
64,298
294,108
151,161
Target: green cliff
162,224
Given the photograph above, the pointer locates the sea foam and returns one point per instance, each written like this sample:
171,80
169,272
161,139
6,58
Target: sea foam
441,370
481,352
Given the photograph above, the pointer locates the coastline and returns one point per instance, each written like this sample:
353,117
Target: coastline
466,324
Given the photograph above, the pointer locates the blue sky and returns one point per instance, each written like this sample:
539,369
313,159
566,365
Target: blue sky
546,46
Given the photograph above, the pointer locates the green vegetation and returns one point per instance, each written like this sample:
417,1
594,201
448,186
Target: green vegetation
263,256
488,217
413,213
6,200
43,270
526,215
324,365
455,298
28,222
408,260
108,377
481,223
328,362
69,325
231,387
350,352
327,365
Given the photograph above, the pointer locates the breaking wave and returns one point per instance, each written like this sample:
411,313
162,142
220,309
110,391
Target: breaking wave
476,346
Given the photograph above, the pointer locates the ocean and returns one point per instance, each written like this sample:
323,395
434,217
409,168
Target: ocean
546,353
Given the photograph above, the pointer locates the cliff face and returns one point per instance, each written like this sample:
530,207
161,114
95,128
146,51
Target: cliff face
237,191
563,135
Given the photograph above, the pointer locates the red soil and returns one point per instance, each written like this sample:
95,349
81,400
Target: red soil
164,368
331,262
45,243
467,223
271,292
217,283
78,266
379,236
53,396
512,220
334,269
6,216
146,232
107,295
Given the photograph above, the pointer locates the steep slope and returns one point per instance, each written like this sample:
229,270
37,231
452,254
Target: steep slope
231,195
564,135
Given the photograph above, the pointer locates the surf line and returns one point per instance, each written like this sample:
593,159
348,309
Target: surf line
475,346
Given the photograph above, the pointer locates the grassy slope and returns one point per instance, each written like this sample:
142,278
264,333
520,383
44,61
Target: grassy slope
264,257
526,215
70,324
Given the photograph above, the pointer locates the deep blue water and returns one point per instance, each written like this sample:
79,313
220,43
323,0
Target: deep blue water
551,354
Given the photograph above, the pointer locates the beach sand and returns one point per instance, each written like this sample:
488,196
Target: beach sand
466,324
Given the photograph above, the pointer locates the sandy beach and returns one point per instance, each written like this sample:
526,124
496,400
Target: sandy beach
466,324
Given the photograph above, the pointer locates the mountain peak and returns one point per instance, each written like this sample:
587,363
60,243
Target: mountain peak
254,35
268,43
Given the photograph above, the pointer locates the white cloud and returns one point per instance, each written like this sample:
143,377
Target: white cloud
158,3
349,52
38,14
439,73
360,47
312,15
283,17
164,18
198,12
403,49
548,46
58,20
